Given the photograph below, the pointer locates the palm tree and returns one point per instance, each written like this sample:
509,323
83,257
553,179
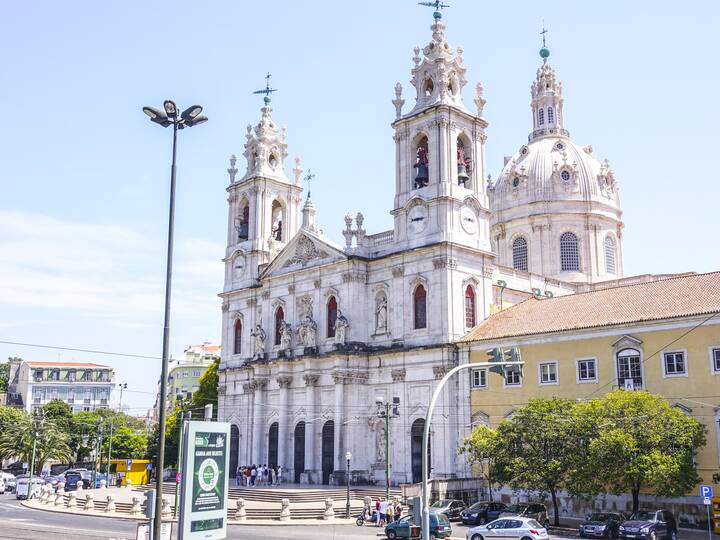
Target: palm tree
50,443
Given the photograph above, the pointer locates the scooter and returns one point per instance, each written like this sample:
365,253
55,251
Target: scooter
363,517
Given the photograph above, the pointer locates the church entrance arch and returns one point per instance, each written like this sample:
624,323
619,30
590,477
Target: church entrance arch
234,449
299,454
273,445
328,450
416,436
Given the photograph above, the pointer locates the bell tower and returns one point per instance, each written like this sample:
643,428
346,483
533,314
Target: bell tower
263,204
440,194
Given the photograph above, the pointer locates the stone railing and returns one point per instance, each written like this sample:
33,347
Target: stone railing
380,239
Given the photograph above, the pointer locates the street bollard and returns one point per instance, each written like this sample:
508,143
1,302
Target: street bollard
80,488
103,484
329,513
136,508
59,497
166,509
285,510
128,483
89,501
110,507
43,495
72,500
240,513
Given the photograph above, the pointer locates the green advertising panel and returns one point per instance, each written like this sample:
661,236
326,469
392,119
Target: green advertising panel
204,484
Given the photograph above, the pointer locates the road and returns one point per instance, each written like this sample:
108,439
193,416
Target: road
20,523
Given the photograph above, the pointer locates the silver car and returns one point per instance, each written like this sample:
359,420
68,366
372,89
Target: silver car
509,528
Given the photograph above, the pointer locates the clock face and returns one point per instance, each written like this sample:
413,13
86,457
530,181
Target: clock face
239,266
417,219
468,220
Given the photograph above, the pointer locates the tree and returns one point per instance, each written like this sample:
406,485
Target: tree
50,443
59,413
127,443
207,392
9,417
484,448
643,442
541,445
4,376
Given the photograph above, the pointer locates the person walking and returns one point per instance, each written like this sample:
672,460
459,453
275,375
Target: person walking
377,513
253,476
273,475
238,475
279,474
383,512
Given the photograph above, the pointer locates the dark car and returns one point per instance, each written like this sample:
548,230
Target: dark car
536,511
405,528
482,512
649,525
450,507
601,524
72,479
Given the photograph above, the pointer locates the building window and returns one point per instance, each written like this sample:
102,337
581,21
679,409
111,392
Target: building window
197,373
185,374
279,322
277,222
520,254
479,378
565,176
237,341
104,376
569,255
674,364
551,115
610,267
548,373
513,377
331,316
55,375
243,221
88,397
629,369
87,375
71,376
469,307
71,396
586,371
541,117
420,307
38,374
715,359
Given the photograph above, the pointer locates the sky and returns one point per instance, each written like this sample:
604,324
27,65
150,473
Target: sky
84,176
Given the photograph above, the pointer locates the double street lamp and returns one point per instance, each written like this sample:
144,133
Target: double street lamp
387,411
348,457
168,117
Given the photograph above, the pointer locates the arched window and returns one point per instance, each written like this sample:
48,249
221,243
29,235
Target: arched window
551,115
279,322
331,316
541,117
420,307
237,337
464,163
520,254
469,307
610,255
278,233
569,255
243,221
422,163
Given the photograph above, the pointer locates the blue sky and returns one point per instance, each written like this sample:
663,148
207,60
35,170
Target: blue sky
84,175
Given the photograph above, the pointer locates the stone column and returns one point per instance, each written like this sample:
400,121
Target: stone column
341,380
258,417
312,424
284,428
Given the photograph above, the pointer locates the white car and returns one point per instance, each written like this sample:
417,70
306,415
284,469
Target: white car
509,528
2,486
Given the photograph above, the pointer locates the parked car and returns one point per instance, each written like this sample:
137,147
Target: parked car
649,525
439,527
535,511
2,486
10,482
482,512
601,524
450,507
511,528
72,479
28,489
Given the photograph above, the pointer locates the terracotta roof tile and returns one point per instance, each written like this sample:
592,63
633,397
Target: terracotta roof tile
66,364
684,296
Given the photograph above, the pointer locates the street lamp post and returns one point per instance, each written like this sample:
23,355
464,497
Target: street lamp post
169,117
348,457
384,411
122,387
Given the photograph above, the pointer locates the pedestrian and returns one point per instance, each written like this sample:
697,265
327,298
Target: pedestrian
266,475
383,512
377,513
253,475
247,476
118,482
398,511
279,474
273,475
238,475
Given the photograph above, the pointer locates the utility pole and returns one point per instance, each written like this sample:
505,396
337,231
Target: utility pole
122,387
98,454
37,424
109,453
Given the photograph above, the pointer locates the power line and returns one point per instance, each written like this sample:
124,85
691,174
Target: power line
110,353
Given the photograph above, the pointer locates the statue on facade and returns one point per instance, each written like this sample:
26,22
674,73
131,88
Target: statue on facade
421,164
285,336
259,337
341,327
307,331
381,314
381,444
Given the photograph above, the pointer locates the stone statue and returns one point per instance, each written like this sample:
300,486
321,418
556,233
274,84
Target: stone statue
341,327
381,440
259,335
285,336
307,331
381,314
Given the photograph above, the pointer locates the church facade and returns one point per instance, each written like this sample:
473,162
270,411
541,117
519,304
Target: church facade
318,337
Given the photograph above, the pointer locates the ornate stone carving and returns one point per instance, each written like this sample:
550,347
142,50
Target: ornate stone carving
285,336
305,251
342,325
248,388
398,374
284,381
307,330
252,302
225,306
291,289
311,379
398,271
358,276
317,283
265,295
440,371
444,262
259,337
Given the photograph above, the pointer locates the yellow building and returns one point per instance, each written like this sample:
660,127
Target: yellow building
662,336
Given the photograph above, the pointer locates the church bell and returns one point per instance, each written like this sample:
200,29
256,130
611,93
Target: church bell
462,174
422,177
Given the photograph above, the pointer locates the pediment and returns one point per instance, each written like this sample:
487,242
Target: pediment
305,250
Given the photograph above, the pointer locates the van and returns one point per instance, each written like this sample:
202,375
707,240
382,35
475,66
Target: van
24,489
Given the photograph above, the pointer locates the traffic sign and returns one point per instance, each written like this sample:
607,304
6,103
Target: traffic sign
705,491
129,463
706,500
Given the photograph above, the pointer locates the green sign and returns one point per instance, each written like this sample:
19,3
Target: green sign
203,502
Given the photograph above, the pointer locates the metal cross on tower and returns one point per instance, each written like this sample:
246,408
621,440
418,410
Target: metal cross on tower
309,176
267,90
437,5
544,31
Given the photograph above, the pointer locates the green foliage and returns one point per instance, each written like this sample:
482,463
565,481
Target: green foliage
59,413
4,376
484,448
207,392
127,443
50,442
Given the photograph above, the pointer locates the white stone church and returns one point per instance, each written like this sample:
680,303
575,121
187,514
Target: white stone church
314,332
